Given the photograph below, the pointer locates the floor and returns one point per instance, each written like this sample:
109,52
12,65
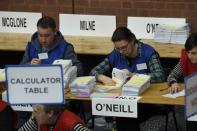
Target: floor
155,123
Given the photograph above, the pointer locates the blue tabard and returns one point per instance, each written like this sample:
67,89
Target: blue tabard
56,53
139,64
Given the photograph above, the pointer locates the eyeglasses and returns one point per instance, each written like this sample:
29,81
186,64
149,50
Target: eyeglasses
121,48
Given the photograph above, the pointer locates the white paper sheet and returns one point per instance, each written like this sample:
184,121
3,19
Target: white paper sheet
175,95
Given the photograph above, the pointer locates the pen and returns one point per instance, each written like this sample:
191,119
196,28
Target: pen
171,92
163,89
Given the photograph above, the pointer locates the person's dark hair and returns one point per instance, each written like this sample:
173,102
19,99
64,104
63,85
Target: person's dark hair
191,42
47,22
123,33
56,108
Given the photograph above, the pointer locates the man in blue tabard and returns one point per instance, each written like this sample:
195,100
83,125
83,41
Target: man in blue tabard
47,45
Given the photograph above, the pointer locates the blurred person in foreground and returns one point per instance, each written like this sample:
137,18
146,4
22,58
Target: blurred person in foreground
53,118
185,67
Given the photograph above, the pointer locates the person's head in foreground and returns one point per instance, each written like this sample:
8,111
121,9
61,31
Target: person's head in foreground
44,114
191,47
53,117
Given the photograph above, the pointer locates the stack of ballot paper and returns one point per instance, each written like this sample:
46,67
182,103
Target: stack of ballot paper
70,72
177,34
66,64
2,75
83,86
103,95
119,76
70,75
136,85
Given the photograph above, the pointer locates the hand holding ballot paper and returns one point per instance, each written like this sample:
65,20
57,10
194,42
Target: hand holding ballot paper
119,77
35,61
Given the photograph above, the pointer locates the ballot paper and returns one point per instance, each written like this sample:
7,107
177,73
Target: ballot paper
173,33
66,64
83,86
175,95
119,76
43,56
70,75
136,85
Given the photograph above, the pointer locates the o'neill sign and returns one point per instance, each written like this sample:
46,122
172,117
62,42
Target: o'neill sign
121,106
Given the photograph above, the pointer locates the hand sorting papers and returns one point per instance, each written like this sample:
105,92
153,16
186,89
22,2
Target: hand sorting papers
119,76
175,95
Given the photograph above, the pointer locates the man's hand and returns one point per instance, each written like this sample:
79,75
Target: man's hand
106,80
129,74
35,61
175,87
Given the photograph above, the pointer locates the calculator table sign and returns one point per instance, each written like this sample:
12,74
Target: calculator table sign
35,84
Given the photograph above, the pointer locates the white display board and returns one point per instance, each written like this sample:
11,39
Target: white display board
144,27
191,95
39,84
192,118
87,25
19,22
120,107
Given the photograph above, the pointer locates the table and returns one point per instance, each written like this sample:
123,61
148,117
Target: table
152,95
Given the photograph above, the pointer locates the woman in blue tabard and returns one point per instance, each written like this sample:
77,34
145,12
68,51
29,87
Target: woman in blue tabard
132,56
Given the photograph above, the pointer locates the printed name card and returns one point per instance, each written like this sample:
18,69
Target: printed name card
19,22
191,95
121,106
87,25
35,84
17,107
144,27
